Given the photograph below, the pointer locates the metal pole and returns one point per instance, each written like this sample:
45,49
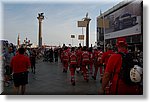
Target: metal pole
104,30
82,34
72,42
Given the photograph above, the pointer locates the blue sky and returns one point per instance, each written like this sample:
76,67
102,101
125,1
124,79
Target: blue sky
59,23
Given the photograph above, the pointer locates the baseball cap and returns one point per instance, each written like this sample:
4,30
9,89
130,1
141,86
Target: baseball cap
121,41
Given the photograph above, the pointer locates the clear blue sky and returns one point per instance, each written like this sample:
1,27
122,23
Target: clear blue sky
59,23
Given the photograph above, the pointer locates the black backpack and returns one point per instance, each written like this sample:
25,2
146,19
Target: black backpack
127,65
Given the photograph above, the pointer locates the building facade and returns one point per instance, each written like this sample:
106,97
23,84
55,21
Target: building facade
123,20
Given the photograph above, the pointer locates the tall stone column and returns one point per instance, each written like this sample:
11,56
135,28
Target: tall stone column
87,30
18,41
40,18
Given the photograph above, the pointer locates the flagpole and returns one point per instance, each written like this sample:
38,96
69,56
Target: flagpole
72,42
82,34
104,29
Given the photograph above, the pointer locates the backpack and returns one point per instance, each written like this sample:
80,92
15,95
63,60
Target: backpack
73,58
127,65
66,56
85,56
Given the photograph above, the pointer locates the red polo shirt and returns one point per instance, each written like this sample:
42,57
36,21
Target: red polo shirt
20,63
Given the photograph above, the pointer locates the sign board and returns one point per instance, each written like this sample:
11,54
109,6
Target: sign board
125,20
125,32
72,36
103,23
81,37
82,23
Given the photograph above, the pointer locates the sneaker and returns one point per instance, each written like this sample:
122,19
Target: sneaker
101,80
94,77
77,69
91,73
64,70
81,72
6,84
73,81
77,72
87,80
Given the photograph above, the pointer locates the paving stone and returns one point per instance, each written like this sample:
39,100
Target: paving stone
49,79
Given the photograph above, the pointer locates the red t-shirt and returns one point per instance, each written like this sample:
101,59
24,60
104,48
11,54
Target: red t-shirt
20,63
113,66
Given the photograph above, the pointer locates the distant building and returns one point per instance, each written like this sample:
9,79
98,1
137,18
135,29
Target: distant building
123,20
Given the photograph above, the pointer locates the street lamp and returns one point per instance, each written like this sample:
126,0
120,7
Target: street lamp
27,43
40,18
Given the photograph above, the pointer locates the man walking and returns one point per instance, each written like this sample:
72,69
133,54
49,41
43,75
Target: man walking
85,63
20,64
72,65
113,70
33,60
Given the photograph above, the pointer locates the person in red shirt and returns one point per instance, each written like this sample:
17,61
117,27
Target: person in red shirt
95,55
85,63
72,64
107,54
65,59
20,64
112,72
79,55
91,60
61,55
97,62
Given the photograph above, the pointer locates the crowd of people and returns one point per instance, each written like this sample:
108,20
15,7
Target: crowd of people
86,61
8,51
109,63
9,67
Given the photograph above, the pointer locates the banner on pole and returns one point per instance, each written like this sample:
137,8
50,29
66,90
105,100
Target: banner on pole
72,36
103,23
81,37
82,23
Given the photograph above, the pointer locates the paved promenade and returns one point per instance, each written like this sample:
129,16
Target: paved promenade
49,79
